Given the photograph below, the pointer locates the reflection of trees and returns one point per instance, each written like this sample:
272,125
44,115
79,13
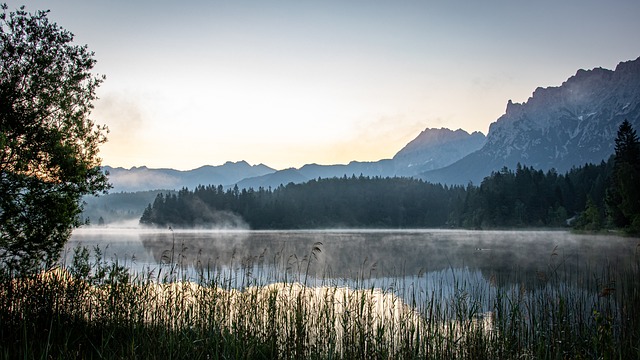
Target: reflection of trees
578,260
197,247
506,257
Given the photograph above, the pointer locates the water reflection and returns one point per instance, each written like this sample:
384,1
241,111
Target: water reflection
527,257
524,280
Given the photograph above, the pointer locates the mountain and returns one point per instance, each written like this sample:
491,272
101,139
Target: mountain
557,127
143,178
273,180
382,168
434,149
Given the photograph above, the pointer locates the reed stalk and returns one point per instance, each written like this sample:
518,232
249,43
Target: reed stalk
94,308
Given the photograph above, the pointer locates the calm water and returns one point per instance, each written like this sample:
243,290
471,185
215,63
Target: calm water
378,257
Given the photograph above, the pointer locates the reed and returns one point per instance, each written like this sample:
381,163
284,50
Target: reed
95,308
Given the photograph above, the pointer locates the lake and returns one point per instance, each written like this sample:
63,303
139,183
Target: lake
380,258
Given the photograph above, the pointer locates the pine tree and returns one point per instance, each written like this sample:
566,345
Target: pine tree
623,195
627,145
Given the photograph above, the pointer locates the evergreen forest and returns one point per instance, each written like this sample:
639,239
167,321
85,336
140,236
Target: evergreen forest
522,198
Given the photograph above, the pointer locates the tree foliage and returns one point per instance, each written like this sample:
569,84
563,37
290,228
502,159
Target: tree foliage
532,198
623,196
48,144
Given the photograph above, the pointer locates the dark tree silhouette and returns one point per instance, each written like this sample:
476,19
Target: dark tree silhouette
48,144
623,196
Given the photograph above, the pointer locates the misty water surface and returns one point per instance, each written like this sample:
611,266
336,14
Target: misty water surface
355,255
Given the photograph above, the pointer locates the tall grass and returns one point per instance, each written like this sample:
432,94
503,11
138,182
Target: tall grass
275,309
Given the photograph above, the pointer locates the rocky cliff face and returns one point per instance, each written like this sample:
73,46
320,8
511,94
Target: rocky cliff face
571,124
557,127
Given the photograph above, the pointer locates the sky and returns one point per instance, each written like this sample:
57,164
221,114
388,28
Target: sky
288,83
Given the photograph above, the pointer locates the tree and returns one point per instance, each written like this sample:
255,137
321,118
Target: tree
623,195
627,147
48,144
590,218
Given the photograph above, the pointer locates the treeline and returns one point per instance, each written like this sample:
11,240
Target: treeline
522,198
532,198
337,202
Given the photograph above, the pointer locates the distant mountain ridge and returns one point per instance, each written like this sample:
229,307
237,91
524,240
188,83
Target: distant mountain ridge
382,168
557,127
143,178
431,148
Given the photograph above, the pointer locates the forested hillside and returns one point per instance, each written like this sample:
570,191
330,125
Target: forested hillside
522,198
532,198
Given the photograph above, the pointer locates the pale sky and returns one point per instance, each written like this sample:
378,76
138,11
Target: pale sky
286,83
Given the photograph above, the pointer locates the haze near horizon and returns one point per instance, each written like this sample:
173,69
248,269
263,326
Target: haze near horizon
288,83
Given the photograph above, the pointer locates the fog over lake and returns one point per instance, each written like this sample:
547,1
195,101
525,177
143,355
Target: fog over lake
348,255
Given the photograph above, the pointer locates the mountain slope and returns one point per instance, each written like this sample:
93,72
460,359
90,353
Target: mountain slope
143,178
382,168
431,149
558,127
273,180
434,149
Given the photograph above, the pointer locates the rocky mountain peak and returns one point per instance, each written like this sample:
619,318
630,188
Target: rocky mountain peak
435,148
559,126
628,67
